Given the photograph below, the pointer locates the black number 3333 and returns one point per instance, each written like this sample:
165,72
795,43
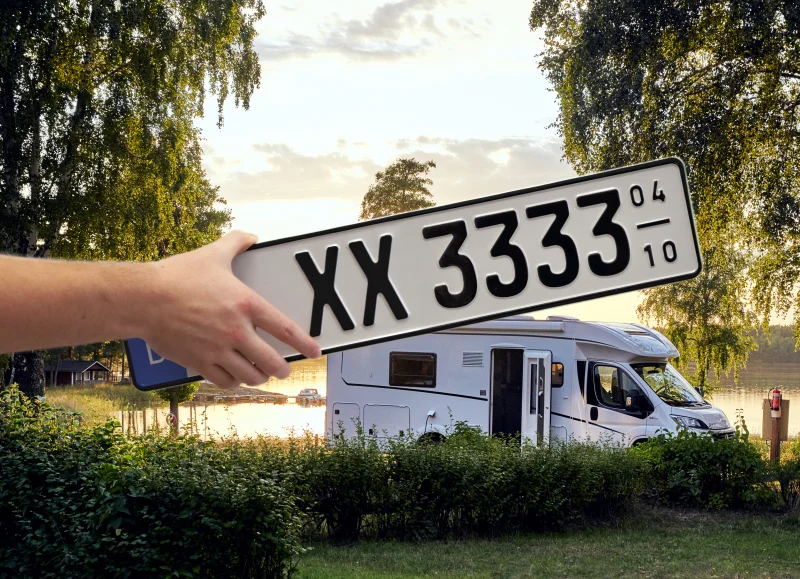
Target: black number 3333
553,237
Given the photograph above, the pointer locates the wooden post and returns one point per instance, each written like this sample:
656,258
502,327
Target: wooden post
775,444
173,408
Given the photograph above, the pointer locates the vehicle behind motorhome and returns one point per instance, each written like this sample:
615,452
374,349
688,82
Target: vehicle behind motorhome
559,378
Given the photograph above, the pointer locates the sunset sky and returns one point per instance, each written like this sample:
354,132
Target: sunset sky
348,86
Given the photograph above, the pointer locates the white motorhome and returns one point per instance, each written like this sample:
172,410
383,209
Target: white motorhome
559,378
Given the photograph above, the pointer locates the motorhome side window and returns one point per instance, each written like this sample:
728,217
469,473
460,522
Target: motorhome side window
412,369
556,374
616,389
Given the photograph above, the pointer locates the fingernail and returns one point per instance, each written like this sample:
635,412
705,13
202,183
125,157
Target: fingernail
316,353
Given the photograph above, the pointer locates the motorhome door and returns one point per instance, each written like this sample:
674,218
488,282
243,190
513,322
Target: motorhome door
536,396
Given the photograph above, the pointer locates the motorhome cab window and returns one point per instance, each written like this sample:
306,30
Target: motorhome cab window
616,389
669,385
412,369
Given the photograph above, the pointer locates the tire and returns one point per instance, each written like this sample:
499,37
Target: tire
431,438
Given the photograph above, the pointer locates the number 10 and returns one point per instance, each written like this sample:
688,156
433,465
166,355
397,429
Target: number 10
670,253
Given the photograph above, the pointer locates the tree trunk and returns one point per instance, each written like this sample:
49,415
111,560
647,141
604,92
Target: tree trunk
29,372
10,371
122,375
701,380
12,156
55,371
173,409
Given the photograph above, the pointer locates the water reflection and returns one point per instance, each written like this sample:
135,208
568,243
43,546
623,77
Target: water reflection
218,420
754,383
247,418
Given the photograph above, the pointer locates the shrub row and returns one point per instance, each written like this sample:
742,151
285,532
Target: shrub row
78,501
700,471
87,502
468,484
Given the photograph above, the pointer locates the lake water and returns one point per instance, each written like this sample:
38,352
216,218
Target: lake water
247,419
754,384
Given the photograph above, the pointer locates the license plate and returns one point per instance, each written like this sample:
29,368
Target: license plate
458,264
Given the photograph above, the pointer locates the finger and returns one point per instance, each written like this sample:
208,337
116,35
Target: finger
219,377
243,370
271,320
264,356
236,242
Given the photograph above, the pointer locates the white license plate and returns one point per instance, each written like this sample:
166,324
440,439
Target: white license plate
447,266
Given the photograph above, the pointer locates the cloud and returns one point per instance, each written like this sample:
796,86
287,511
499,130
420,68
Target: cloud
292,175
465,169
393,30
477,167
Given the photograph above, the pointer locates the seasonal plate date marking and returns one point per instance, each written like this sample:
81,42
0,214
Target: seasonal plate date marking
452,265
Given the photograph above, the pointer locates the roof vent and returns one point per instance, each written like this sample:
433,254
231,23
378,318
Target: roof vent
472,359
562,319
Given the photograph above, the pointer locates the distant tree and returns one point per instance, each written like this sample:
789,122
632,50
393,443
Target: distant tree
99,155
402,186
705,318
776,344
176,396
715,82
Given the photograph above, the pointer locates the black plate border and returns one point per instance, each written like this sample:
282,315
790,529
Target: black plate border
582,179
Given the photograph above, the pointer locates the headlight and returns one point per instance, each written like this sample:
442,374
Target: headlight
688,422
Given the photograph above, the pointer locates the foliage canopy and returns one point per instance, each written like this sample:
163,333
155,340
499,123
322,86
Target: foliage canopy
402,186
705,317
100,156
715,82
183,393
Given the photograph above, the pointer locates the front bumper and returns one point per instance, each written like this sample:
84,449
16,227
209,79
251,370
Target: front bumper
720,434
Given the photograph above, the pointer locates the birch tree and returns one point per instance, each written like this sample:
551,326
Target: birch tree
99,155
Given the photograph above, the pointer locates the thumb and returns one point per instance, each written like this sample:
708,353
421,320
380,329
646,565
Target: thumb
236,242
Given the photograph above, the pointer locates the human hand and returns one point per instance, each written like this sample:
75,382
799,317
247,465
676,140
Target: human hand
201,316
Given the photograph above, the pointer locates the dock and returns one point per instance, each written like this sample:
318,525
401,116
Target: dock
266,398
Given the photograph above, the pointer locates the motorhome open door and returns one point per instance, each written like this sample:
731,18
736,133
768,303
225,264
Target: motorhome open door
536,396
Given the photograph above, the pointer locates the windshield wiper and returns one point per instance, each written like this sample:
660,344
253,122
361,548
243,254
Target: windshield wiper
676,402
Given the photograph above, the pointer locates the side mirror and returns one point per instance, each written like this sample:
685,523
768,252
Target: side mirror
632,403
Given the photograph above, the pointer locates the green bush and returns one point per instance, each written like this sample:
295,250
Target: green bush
339,483
78,502
787,475
469,484
698,470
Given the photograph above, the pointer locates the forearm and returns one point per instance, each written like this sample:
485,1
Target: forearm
190,308
47,303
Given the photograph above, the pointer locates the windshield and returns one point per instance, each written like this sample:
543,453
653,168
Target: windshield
669,385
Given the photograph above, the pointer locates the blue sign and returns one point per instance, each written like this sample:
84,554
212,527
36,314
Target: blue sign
150,371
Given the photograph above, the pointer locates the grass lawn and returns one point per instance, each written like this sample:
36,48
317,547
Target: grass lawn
652,543
98,402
